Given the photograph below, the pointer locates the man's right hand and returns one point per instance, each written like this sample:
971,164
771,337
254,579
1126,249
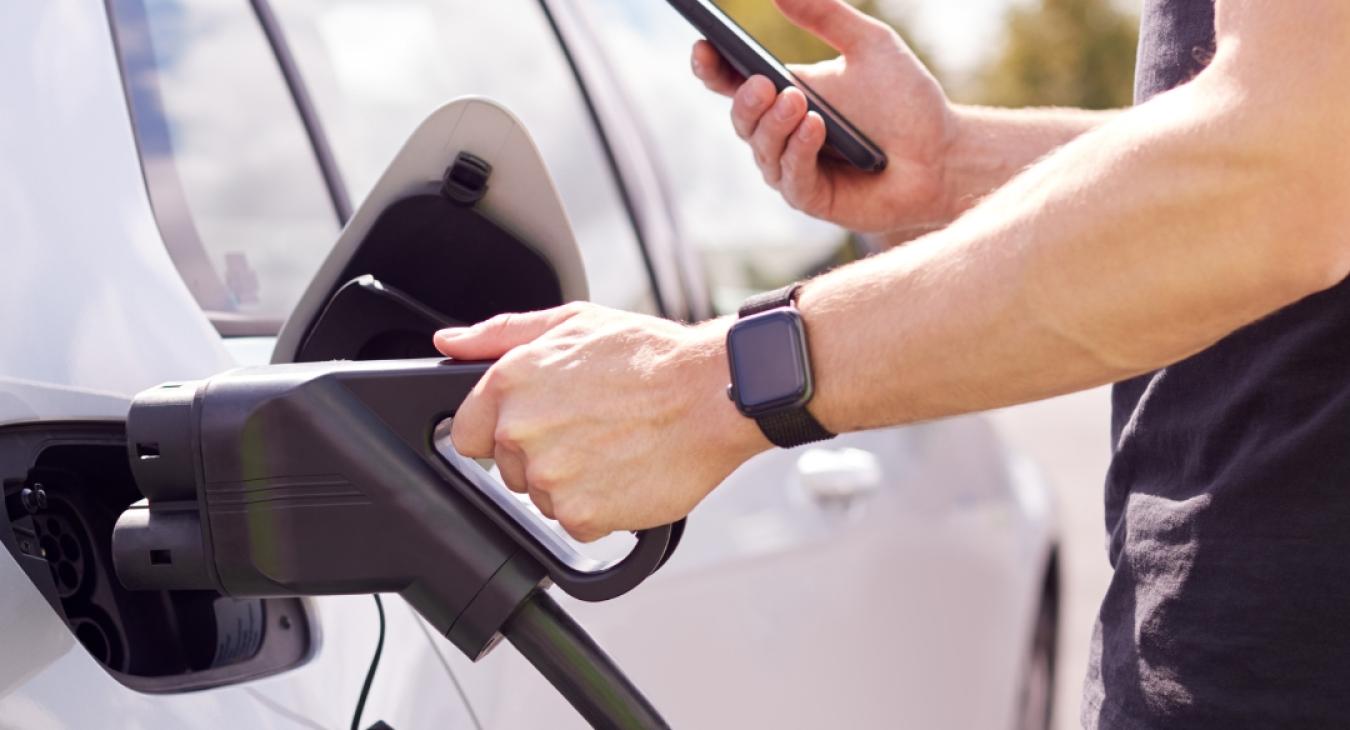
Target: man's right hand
882,88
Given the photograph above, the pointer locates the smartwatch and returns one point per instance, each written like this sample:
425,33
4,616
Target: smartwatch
771,369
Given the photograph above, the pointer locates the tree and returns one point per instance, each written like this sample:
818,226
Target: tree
1063,53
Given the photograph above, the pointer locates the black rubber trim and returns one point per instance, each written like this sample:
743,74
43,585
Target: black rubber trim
634,215
304,105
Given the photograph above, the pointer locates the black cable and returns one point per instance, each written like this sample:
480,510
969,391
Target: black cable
370,673
572,661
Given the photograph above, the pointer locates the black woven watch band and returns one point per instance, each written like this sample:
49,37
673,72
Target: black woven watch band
786,429
797,426
775,299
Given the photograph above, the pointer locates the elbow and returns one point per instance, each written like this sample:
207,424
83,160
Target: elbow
1295,132
1330,257
1310,236
1306,246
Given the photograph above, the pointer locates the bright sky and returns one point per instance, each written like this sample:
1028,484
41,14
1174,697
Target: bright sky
960,33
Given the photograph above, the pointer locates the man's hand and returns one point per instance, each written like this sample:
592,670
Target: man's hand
608,420
882,88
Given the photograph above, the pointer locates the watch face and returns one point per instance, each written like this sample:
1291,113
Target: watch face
768,361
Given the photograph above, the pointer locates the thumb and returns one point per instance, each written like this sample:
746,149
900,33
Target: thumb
834,21
492,338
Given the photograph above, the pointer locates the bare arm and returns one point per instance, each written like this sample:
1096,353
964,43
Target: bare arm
993,145
1135,245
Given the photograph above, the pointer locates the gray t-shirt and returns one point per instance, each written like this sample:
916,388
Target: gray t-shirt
1228,505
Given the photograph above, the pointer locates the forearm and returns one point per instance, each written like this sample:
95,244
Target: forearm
991,146
1143,242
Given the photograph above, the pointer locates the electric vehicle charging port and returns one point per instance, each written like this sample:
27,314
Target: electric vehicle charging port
64,486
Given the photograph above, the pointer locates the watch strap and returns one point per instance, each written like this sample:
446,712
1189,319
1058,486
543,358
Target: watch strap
796,426
787,429
776,299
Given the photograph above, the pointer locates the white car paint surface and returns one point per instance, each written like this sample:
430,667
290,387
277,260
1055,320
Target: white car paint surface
904,597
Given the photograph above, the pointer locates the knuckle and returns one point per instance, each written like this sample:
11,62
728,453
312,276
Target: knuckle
740,124
544,476
510,370
498,323
510,436
761,159
497,380
579,518
874,34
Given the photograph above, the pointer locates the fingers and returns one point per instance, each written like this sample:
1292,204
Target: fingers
836,22
490,339
713,71
771,134
801,161
755,96
511,465
472,429
543,502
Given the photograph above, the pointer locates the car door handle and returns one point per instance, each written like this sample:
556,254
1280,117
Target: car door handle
839,477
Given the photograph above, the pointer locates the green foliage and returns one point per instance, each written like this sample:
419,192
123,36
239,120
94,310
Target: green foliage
792,44
1077,53
763,21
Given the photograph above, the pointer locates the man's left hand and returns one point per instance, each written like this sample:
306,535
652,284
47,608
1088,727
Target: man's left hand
608,420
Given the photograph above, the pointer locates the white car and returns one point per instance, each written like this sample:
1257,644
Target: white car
172,175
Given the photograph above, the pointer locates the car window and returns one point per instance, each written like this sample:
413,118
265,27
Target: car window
239,198
748,239
377,68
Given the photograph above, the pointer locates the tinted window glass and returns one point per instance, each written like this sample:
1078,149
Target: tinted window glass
377,68
236,190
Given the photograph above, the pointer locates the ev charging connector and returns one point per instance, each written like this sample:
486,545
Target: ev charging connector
338,478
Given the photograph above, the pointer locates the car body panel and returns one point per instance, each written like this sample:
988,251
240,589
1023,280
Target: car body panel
908,604
94,311
70,179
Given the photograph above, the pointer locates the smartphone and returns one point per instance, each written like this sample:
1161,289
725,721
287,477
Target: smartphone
748,57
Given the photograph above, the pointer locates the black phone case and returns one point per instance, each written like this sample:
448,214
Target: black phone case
844,139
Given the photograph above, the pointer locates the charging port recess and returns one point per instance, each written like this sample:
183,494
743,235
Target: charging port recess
63,488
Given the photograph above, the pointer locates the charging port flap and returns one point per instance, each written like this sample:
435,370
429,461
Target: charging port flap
465,223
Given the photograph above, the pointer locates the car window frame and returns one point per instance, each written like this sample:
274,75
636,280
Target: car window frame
165,189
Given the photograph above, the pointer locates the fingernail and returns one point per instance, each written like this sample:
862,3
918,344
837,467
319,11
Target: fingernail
784,108
451,333
697,65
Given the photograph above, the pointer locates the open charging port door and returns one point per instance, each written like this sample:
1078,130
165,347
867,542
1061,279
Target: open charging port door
464,224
